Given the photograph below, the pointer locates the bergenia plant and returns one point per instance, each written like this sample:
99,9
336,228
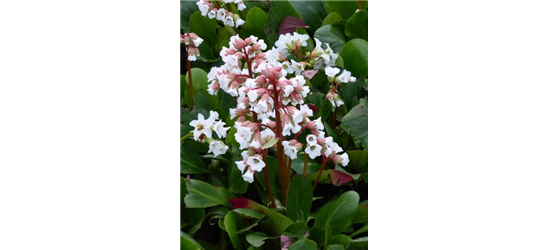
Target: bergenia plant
274,117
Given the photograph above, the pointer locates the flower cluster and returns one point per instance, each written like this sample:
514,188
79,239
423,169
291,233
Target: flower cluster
192,41
231,76
215,10
335,82
203,131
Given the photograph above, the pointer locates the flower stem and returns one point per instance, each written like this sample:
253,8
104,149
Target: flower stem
190,82
282,169
320,173
186,136
266,174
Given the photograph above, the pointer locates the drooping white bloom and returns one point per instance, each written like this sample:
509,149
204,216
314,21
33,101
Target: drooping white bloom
239,22
256,163
201,126
217,148
290,150
313,151
241,166
345,159
212,14
219,129
248,176
331,71
197,41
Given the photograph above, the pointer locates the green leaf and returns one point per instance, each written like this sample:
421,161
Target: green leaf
341,239
352,91
356,124
313,12
202,194
296,230
299,199
279,10
255,24
298,164
249,213
360,243
331,18
187,242
201,100
333,34
317,235
338,214
345,8
256,239
303,245
358,161
191,163
233,222
204,27
355,57
361,215
237,185
269,144
187,8
277,220
335,247
357,26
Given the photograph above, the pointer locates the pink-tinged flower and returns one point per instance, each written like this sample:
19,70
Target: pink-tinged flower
315,124
311,139
342,159
291,148
241,165
256,163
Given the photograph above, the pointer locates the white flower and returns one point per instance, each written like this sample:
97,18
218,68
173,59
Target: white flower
319,124
192,57
331,72
248,176
344,77
198,41
241,166
255,162
345,159
221,14
241,6
288,89
255,144
311,139
229,21
288,127
289,150
201,126
313,151
212,14
219,129
261,107
239,22
252,95
218,148
202,7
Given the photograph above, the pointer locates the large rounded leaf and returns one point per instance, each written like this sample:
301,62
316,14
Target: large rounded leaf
357,26
204,27
187,242
312,12
255,24
345,8
202,194
187,8
233,222
331,18
338,214
356,124
332,34
191,163
299,199
303,245
355,57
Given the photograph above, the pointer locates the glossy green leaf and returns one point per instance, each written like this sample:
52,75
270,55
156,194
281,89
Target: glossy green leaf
202,194
298,164
358,161
191,163
187,8
356,124
279,10
204,27
312,12
355,56
335,247
233,222
296,230
357,26
345,8
237,184
299,199
317,235
338,214
361,215
303,245
331,18
255,24
333,34
341,239
256,239
249,213
360,243
277,220
188,243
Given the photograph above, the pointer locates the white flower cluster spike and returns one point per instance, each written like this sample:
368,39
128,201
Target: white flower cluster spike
203,131
335,82
216,10
192,41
